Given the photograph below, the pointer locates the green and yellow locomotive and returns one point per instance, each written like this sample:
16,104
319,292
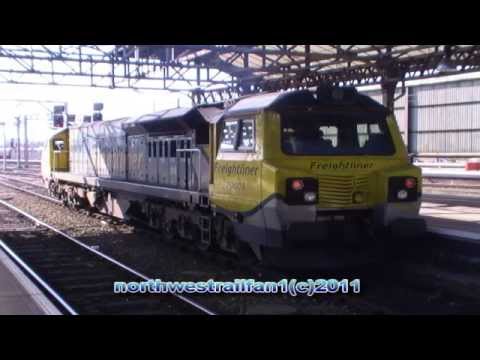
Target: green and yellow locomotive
287,175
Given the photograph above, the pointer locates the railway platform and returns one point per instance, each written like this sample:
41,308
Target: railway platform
450,173
453,216
18,294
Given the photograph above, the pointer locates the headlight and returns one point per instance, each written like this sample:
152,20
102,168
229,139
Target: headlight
402,194
301,191
403,189
310,197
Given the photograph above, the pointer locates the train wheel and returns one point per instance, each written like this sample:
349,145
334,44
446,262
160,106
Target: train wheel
76,202
50,189
203,245
170,232
64,198
203,234
227,239
53,190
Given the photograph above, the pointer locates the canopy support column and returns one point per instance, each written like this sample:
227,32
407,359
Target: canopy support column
388,93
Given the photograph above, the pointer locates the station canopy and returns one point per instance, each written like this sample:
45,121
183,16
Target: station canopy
210,73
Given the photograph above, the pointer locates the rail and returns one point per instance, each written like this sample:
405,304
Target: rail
48,198
37,278
104,256
33,162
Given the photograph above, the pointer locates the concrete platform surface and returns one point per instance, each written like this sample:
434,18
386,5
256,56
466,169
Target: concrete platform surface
456,216
18,294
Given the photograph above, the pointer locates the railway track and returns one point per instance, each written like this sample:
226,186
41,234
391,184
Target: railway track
393,293
25,176
26,187
79,279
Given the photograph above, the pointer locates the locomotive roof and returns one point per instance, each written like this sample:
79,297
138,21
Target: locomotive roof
161,115
197,117
101,123
174,120
323,96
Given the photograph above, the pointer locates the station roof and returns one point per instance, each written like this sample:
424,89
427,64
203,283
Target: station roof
257,68
230,70
270,62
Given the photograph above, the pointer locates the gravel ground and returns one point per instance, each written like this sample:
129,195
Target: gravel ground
145,251
11,221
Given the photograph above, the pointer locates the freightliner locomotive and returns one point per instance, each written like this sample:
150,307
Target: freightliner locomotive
287,177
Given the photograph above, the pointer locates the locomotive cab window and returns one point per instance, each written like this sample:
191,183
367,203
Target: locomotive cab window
58,145
238,135
330,134
246,136
367,132
229,136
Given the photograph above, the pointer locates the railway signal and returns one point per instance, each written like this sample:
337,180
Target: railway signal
59,116
3,124
70,120
58,120
97,112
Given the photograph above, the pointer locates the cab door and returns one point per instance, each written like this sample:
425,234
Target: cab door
156,155
152,160
60,152
137,156
237,172
184,163
159,160
163,169
172,163
142,157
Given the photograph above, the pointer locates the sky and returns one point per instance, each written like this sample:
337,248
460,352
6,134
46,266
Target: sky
117,103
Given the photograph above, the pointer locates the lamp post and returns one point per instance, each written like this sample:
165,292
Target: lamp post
18,141
4,145
25,145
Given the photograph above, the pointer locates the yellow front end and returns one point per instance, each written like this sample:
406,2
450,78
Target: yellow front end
345,182
351,192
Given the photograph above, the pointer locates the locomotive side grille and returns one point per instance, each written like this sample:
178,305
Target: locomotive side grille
337,191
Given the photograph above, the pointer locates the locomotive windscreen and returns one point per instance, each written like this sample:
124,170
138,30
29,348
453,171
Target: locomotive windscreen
334,133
